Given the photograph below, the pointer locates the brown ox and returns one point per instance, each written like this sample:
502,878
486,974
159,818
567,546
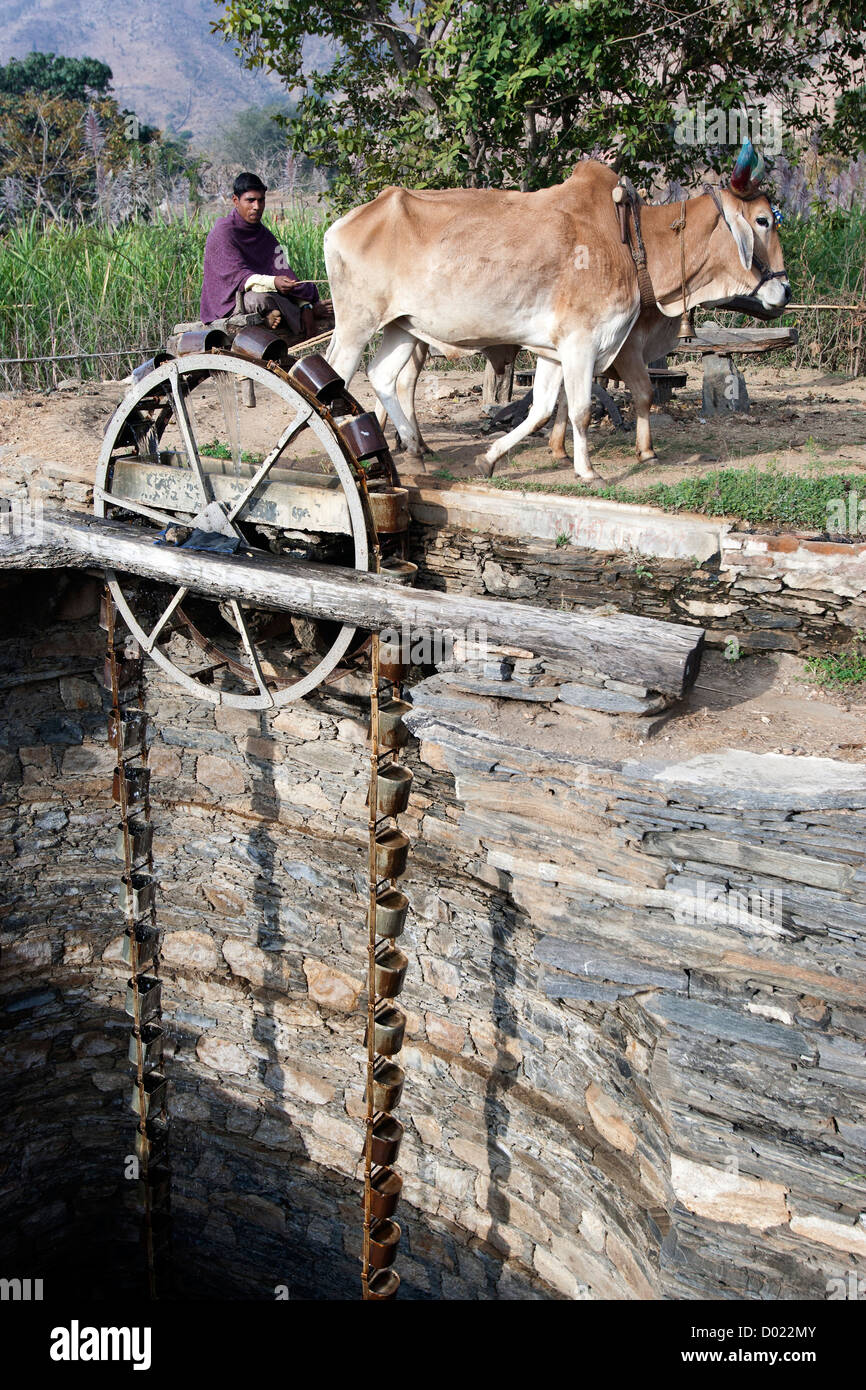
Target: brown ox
465,268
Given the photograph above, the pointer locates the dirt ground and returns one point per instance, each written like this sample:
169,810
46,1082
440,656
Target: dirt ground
800,422
764,704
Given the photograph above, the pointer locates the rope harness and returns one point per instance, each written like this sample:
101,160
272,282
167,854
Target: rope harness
627,200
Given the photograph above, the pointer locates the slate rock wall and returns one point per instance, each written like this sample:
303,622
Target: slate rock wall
617,1086
773,593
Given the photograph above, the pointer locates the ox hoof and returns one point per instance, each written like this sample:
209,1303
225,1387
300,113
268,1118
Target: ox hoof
648,458
589,477
484,465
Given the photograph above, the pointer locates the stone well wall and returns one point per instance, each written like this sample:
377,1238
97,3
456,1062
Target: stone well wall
773,593
609,1094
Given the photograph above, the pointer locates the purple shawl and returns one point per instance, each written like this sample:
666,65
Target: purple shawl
234,251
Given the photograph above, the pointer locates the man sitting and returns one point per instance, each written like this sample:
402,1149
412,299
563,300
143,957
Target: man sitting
242,254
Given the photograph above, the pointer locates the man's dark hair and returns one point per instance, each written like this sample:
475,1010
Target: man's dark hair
248,183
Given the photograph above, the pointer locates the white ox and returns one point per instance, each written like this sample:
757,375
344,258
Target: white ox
464,268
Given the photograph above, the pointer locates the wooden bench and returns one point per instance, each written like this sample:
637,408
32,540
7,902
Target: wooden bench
724,387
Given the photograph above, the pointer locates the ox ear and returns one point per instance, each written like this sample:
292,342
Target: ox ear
743,236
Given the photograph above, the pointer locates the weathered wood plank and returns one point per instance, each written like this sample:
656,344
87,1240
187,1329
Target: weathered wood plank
712,337
662,656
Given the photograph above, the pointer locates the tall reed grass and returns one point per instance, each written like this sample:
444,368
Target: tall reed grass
71,288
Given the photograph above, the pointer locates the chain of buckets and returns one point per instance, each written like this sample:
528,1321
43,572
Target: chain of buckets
123,675
389,797
127,733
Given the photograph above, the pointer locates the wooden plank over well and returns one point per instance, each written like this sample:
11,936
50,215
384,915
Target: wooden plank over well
661,656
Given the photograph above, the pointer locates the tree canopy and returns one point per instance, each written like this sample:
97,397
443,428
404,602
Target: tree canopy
514,92
66,147
50,75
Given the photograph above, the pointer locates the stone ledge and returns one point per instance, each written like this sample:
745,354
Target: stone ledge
587,521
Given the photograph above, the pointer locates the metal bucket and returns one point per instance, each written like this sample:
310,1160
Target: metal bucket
201,340
398,571
388,1081
139,373
157,1139
156,1187
385,1191
261,345
149,997
386,1138
140,840
383,1286
390,507
391,909
393,733
137,782
145,368
384,1239
389,1025
364,436
393,785
127,672
392,851
127,734
154,1094
391,967
136,896
318,377
146,943
152,1040
392,667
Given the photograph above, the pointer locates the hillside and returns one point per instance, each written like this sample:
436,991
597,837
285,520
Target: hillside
167,64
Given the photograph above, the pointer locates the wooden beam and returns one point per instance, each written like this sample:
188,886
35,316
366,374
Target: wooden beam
664,657
290,500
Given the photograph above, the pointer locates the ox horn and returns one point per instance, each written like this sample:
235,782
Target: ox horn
747,170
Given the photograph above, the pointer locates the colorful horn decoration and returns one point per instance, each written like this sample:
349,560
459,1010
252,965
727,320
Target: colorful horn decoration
748,168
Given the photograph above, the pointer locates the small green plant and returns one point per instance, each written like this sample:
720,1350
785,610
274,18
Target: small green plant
733,650
640,569
445,473
760,496
217,450
562,539
839,670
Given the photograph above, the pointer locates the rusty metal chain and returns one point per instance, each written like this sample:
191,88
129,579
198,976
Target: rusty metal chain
130,790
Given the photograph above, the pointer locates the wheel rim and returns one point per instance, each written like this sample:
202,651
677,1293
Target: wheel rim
175,377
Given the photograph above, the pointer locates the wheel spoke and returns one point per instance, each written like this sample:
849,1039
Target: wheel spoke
250,650
157,629
267,464
140,507
189,444
185,426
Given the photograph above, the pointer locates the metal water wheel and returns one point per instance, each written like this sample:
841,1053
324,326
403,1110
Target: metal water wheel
320,502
